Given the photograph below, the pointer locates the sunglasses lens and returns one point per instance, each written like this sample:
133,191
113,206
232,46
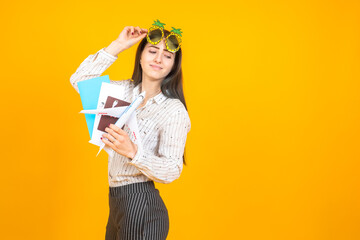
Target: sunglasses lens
155,35
172,42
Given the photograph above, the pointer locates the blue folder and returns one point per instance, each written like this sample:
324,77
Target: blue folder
89,92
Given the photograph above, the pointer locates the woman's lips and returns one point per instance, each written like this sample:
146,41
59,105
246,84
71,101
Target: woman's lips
156,67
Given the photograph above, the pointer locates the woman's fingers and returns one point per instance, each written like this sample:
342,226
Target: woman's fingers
108,143
143,32
140,34
110,137
114,140
132,30
127,31
131,35
115,132
117,129
140,31
118,140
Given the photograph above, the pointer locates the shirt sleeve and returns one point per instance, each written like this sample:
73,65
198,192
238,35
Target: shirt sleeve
168,165
93,66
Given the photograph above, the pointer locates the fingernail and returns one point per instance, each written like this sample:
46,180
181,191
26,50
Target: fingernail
132,33
101,138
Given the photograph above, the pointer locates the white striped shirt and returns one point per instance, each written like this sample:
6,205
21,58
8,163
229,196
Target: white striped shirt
163,127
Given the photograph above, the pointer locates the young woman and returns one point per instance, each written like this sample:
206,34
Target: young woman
137,210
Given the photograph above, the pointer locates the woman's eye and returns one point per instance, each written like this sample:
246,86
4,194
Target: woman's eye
155,52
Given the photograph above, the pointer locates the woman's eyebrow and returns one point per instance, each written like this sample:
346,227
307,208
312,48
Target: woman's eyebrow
164,49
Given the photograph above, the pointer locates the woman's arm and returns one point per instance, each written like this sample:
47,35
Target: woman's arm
93,66
168,166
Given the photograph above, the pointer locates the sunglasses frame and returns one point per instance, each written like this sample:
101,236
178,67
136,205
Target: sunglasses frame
155,27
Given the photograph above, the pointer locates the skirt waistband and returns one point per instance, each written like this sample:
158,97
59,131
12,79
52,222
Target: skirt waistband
139,187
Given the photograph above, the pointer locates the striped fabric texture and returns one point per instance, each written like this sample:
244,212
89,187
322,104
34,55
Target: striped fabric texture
137,212
163,127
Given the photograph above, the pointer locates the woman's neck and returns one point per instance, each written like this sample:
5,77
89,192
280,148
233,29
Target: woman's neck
152,88
151,91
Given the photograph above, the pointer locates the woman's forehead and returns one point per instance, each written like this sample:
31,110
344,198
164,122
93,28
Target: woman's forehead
159,45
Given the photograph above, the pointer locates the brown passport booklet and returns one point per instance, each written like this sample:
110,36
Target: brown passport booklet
105,121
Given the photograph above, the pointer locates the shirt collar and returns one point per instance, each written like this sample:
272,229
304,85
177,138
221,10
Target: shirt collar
158,98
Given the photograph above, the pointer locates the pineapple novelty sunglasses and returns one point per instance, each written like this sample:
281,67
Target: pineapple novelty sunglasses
156,33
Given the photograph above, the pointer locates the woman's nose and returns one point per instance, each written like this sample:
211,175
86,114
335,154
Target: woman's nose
158,58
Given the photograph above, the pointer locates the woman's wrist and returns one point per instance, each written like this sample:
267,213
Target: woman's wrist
133,153
114,48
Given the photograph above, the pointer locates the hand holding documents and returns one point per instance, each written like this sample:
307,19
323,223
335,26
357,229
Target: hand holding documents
111,109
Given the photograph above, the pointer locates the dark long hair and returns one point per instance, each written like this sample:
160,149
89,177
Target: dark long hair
172,85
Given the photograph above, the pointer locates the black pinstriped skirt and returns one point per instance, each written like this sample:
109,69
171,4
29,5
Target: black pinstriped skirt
137,211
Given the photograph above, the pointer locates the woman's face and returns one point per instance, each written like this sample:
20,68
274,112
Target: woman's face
156,61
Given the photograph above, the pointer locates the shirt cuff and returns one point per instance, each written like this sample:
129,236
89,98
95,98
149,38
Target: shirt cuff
107,55
138,156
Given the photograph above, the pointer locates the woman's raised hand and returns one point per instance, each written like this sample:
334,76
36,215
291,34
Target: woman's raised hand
131,35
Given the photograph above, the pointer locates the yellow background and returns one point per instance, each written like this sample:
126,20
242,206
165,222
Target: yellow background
272,89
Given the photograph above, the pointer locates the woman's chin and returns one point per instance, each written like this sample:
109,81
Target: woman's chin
156,76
